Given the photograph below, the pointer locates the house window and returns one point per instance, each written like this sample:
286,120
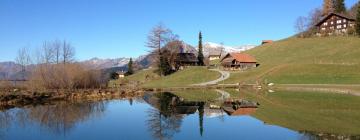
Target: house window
323,29
325,24
338,21
338,27
332,22
332,27
344,20
344,25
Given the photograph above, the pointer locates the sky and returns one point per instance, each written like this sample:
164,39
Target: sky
119,28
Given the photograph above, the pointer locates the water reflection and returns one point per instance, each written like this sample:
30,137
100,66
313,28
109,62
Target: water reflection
169,109
192,115
58,118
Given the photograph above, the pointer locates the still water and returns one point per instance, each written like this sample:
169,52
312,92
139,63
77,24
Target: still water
210,115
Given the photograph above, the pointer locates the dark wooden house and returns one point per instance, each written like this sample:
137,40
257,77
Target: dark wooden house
238,61
185,59
334,23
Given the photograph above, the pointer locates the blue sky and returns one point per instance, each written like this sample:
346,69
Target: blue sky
119,28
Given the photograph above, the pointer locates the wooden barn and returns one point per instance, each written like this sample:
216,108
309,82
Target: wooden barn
238,61
185,59
334,23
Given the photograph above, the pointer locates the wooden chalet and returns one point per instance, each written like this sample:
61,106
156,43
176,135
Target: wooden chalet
334,23
214,56
238,61
185,59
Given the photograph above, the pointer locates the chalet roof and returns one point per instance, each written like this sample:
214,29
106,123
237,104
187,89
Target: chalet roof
331,14
267,41
240,57
186,57
243,111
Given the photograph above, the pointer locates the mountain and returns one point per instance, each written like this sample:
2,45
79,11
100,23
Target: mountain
215,49
8,69
96,63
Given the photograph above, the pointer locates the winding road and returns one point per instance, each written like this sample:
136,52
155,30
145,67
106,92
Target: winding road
224,75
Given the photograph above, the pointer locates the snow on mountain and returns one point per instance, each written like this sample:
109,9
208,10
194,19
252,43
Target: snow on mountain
97,63
216,49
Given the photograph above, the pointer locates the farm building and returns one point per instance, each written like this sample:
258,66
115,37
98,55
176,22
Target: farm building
238,61
185,59
334,23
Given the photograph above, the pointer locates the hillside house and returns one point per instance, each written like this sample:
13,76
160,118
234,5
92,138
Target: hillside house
214,57
185,59
334,23
238,61
120,74
266,42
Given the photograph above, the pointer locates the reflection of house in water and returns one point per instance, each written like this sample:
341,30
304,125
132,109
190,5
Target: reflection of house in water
172,106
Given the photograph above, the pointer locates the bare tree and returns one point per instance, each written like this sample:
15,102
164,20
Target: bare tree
48,55
157,38
301,25
57,50
23,59
68,52
314,17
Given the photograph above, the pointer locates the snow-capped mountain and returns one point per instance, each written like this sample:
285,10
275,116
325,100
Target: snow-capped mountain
216,49
97,63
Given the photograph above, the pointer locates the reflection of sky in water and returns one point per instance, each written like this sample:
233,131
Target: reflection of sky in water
119,120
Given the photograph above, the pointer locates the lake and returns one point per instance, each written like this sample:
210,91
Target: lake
195,114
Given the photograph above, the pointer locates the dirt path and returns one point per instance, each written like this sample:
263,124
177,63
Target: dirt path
224,75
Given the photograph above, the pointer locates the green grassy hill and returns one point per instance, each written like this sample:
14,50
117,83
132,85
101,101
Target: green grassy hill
189,76
331,60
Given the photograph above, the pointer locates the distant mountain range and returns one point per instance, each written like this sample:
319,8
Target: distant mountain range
11,69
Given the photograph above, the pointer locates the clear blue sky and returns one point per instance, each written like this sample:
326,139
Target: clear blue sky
118,28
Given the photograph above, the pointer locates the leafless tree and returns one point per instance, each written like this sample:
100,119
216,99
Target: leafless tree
301,25
57,50
157,38
23,59
314,17
68,52
48,54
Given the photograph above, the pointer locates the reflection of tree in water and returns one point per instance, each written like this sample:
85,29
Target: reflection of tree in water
58,118
163,123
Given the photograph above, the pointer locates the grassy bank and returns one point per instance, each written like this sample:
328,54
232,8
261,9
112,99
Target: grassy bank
189,76
331,60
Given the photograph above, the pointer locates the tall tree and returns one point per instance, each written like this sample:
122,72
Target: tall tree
157,38
339,6
130,68
357,26
200,55
328,7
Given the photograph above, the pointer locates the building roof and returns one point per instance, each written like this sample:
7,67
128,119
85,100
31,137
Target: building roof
240,57
266,41
243,111
186,57
331,14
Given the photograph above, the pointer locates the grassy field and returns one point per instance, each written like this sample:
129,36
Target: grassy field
189,76
310,111
331,60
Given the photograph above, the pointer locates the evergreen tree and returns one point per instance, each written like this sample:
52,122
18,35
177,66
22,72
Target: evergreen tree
339,6
328,7
130,68
200,55
357,22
